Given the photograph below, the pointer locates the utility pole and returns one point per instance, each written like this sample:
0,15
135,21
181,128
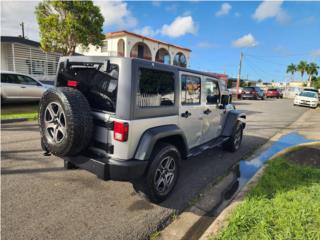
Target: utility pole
22,28
239,74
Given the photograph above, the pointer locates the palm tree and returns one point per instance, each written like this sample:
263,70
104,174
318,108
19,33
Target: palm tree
302,66
312,69
291,69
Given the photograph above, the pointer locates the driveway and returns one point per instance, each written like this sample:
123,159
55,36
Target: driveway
41,200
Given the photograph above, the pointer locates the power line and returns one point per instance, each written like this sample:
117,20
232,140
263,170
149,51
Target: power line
267,61
281,56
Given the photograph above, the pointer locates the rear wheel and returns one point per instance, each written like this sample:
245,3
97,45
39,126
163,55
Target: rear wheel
163,172
234,142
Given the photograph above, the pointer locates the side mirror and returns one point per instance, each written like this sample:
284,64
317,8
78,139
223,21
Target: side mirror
225,100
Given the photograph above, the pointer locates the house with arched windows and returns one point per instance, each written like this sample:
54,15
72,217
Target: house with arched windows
128,44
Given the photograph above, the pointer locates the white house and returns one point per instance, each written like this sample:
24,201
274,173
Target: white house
128,44
25,56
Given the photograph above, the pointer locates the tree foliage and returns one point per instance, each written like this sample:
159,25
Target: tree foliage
65,24
302,67
291,69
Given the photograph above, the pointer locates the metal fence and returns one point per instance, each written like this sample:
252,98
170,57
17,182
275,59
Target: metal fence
33,61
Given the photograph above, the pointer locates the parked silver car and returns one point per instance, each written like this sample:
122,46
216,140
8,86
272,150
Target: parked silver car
16,87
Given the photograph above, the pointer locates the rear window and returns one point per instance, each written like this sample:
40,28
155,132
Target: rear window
97,81
248,88
156,88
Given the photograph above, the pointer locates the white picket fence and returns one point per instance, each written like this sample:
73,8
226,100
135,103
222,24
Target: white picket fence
149,100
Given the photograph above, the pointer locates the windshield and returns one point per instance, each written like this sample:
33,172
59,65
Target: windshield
309,94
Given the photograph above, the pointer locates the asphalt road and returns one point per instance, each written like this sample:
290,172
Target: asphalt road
41,200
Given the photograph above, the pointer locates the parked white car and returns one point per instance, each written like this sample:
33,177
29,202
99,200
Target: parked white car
16,87
307,98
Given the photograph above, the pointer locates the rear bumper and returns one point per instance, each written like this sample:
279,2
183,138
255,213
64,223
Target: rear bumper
248,95
110,169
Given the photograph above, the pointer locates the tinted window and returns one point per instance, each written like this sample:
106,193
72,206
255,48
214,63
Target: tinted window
190,90
10,78
212,91
156,88
97,81
248,89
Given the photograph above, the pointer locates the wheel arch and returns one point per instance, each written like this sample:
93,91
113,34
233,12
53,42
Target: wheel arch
231,120
171,134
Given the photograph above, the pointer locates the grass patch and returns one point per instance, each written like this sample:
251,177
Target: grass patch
285,204
29,116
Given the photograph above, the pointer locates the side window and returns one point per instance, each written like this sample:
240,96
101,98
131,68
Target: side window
190,90
27,80
9,78
156,88
4,78
212,91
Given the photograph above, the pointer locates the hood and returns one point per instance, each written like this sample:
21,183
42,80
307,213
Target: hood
47,86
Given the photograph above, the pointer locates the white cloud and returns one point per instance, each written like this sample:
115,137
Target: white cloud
224,9
237,14
179,27
117,13
147,31
15,12
315,53
245,41
271,9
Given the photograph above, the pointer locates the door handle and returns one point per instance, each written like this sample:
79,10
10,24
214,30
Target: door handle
186,114
208,111
23,87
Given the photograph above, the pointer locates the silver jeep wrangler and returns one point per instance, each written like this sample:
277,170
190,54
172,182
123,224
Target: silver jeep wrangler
132,119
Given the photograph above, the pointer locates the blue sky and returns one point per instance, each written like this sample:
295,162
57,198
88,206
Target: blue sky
271,34
290,34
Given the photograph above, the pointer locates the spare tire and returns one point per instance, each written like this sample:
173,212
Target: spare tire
65,121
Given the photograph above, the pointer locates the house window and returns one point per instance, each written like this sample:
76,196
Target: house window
104,47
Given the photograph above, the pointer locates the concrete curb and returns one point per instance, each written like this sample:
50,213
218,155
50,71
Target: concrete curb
14,120
195,219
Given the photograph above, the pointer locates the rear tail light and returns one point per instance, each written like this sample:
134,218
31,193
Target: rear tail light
120,131
72,83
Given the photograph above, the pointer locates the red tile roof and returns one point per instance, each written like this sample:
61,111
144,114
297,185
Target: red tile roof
122,33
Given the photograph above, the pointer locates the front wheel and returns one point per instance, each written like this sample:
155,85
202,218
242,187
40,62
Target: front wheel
234,142
163,172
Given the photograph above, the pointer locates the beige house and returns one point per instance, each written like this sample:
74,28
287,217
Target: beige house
128,44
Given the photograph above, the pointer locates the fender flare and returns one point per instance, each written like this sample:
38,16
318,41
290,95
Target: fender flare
233,116
150,137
